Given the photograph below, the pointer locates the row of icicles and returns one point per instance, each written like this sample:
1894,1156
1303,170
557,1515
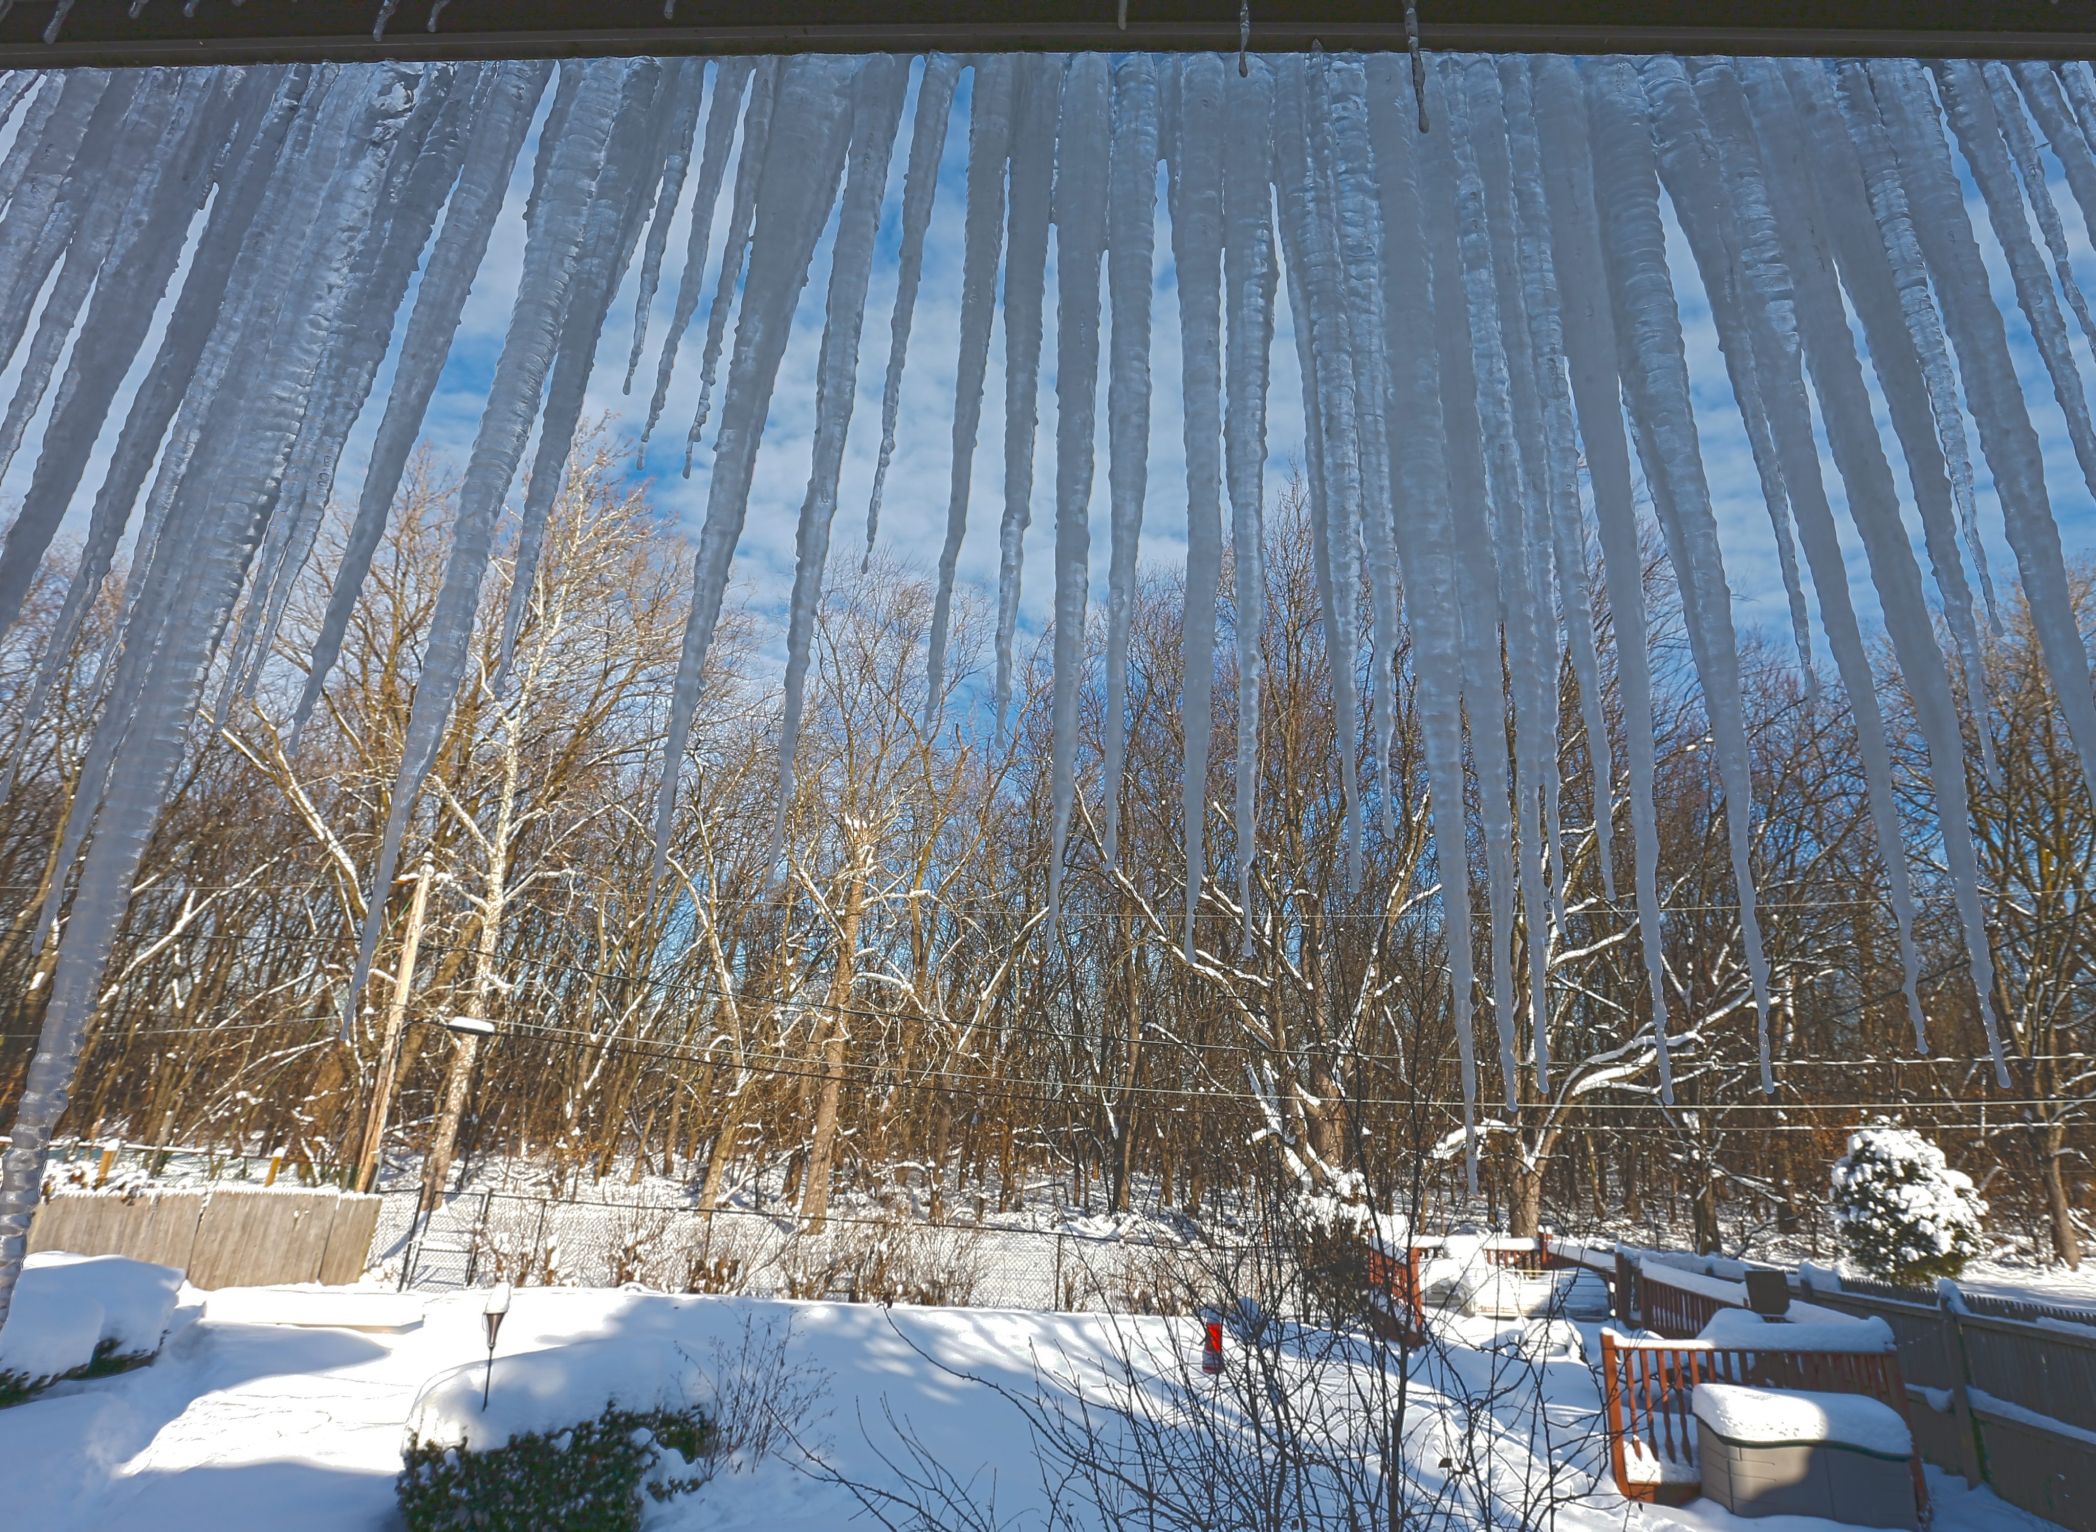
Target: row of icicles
1486,327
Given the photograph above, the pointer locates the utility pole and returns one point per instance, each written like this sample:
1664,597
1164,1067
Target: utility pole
389,1041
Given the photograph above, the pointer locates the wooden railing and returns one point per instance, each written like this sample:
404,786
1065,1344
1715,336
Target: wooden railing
1648,1390
1677,1312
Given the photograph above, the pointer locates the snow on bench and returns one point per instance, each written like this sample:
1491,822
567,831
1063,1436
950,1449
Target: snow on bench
1742,1328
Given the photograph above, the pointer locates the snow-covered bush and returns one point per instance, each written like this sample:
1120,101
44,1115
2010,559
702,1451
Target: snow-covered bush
1902,1213
535,1457
83,1317
588,1477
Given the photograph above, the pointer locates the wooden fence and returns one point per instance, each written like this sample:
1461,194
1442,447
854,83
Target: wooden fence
2006,1402
222,1236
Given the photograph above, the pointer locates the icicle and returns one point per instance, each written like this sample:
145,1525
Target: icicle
989,148
376,280
1592,349
1131,235
1317,294
1724,205
686,89
61,162
742,206
729,78
1248,286
1992,388
1456,303
265,105
2042,90
942,73
1426,543
110,217
1515,466
2023,151
1888,200
876,112
1560,458
1888,315
633,168
794,196
1874,507
500,120
1655,385
552,251
1419,92
1081,174
140,260
1196,184
1720,255
1357,226
1025,278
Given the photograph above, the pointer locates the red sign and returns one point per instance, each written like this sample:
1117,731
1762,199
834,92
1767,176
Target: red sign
1212,1347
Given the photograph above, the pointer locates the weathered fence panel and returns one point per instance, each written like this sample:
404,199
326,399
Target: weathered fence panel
2007,1402
350,1232
223,1237
151,1226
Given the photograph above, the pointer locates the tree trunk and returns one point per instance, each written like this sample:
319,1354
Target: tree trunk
2066,1242
371,1146
822,1147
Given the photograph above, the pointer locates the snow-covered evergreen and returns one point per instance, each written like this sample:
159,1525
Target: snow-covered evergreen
1902,1213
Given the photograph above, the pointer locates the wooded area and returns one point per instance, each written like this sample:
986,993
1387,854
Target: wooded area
889,1006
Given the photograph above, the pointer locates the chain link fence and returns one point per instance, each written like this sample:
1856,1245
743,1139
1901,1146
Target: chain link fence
489,1236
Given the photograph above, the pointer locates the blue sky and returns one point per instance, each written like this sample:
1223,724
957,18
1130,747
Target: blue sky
915,504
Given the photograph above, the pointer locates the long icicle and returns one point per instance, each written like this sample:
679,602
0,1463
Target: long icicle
795,191
876,110
1591,351
1655,384
1025,290
1249,277
1081,175
989,150
1131,238
1196,155
920,187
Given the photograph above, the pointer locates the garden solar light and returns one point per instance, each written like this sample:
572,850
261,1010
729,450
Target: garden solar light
491,1316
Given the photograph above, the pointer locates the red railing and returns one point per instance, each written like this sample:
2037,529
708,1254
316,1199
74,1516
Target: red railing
1648,1388
1402,1306
1679,1313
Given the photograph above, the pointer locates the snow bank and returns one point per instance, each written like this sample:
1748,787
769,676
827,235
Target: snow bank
1741,1327
318,1308
1541,1340
1763,1417
137,1297
550,1390
1641,1465
49,1333
66,1307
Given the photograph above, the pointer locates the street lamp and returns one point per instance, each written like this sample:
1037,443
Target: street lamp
469,1026
491,1316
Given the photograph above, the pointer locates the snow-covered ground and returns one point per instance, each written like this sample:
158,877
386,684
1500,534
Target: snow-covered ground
242,1424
